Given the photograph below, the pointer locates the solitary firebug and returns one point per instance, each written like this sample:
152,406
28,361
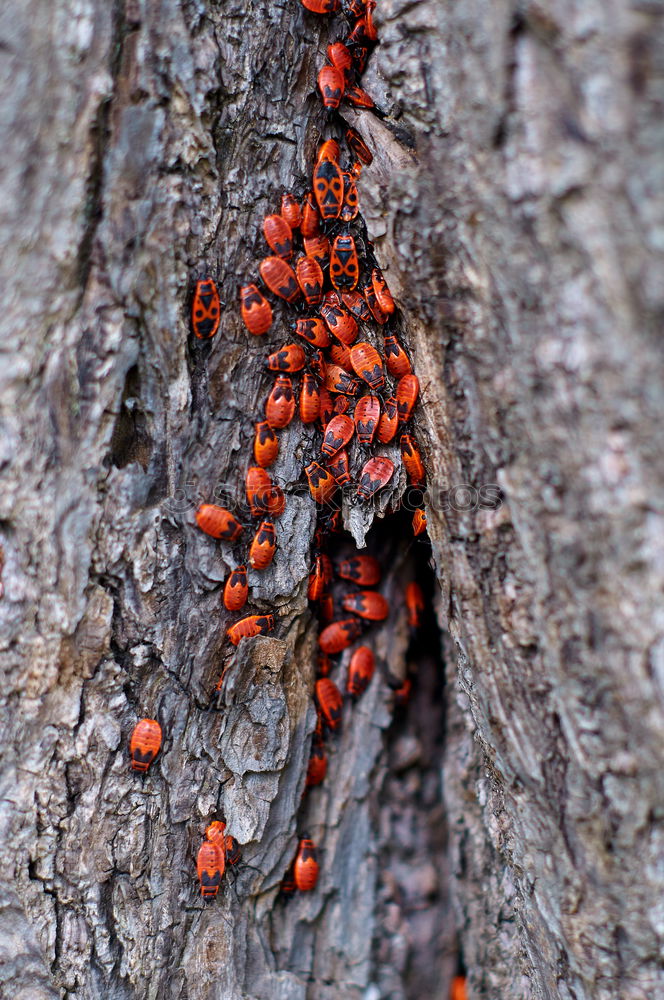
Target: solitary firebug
412,460
322,483
210,866
144,744
309,399
415,604
310,279
248,627
218,522
305,869
236,590
389,421
290,210
408,389
338,433
205,309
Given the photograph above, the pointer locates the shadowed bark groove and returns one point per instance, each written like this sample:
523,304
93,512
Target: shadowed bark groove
513,205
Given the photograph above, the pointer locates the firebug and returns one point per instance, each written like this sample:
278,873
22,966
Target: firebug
248,627
255,309
205,309
218,522
236,590
305,869
280,404
144,744
278,235
263,547
328,184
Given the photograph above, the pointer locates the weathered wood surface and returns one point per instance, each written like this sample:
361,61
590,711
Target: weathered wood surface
513,198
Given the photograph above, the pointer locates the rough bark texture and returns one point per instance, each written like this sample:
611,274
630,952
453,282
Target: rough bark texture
513,203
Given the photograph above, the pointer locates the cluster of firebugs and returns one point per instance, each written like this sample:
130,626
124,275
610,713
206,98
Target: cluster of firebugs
321,264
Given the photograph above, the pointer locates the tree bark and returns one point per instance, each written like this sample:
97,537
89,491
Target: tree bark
513,204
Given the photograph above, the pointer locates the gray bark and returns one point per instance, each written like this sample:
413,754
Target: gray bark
513,202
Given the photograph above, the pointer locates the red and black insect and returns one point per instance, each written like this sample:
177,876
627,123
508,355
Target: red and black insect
326,408
318,247
389,421
310,279
359,147
338,433
367,363
382,292
339,467
364,570
255,309
458,990
278,235
415,604
289,358
328,184
250,626
305,869
342,404
310,224
313,331
280,404
279,278
372,302
218,522
419,521
339,322
144,744
344,265
205,309
367,604
337,380
317,364
266,444
330,701
351,205
366,416
412,460
329,150
357,306
321,6
257,485
339,636
375,474
290,210
236,590
331,84
317,768
309,399
322,483
396,359
408,389
263,547
360,671
210,866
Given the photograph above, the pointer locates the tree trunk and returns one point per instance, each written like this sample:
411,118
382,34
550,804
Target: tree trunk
513,205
